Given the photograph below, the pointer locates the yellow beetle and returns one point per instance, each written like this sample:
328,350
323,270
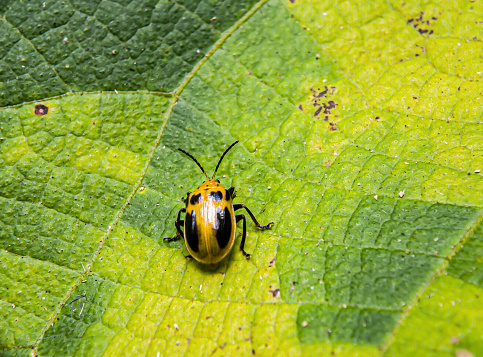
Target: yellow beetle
210,220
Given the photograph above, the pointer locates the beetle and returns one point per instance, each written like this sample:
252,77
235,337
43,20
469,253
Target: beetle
210,220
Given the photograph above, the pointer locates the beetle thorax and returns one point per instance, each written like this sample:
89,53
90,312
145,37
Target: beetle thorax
210,184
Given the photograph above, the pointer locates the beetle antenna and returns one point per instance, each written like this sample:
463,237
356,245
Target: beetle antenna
221,158
197,163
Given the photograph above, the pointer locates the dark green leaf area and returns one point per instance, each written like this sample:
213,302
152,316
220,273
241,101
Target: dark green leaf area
353,276
64,337
153,215
115,45
319,323
21,352
467,264
41,233
220,13
358,252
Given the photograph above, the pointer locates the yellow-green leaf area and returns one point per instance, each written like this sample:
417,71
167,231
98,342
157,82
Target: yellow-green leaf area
65,176
452,308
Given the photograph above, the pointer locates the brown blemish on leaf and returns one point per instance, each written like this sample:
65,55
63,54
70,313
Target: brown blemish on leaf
323,107
275,293
41,109
317,112
420,24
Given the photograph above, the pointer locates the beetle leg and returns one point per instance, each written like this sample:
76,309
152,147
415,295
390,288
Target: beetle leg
244,235
177,223
240,205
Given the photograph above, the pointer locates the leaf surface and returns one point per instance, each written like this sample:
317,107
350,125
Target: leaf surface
360,137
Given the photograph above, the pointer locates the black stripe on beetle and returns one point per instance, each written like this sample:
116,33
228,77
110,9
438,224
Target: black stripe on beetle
216,195
195,199
191,231
224,227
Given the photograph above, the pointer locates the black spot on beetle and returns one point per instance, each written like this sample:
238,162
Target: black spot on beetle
41,109
216,195
191,231
223,227
195,199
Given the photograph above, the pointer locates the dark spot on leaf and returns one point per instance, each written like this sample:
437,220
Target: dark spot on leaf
275,293
41,109
317,112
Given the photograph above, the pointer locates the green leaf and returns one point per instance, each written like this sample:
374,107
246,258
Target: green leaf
360,137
